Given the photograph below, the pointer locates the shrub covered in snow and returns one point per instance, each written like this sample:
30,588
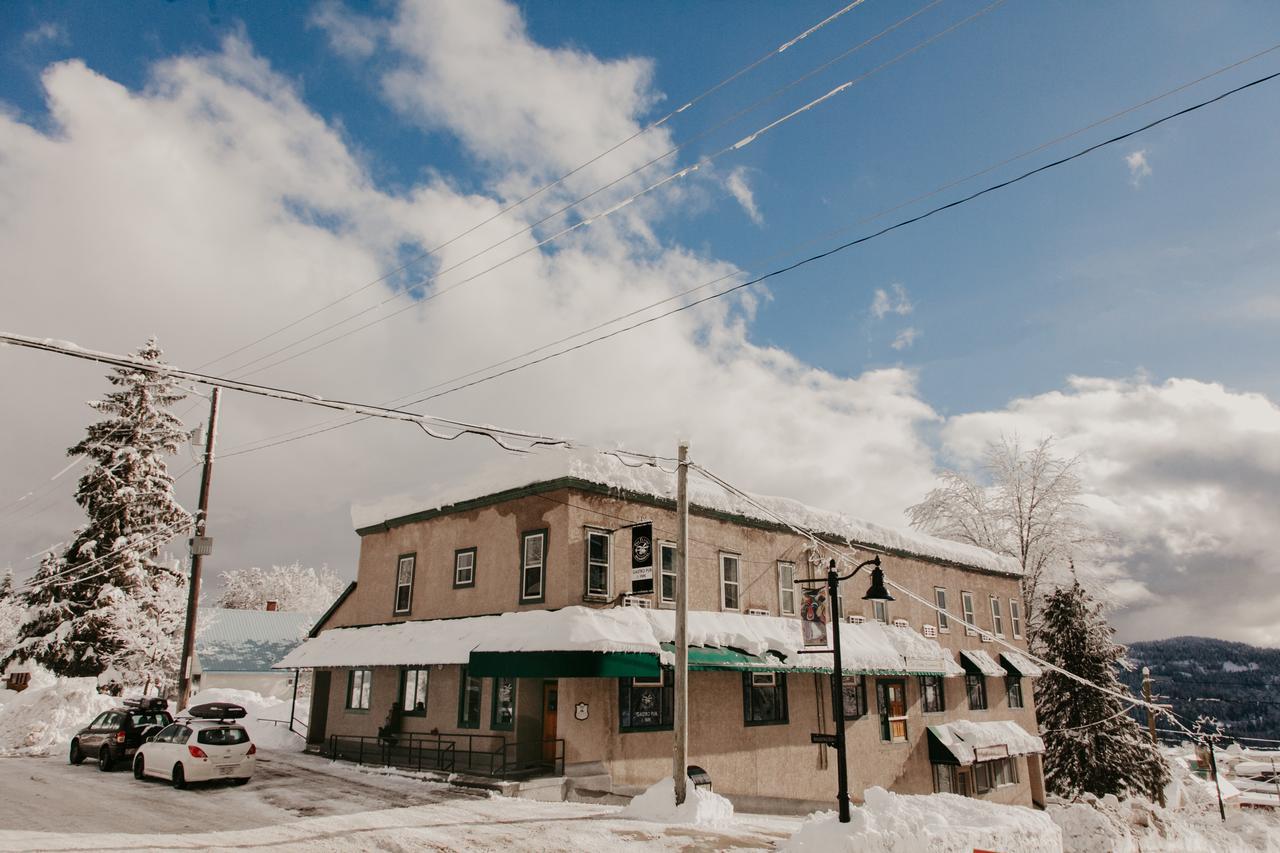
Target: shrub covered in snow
658,804
939,823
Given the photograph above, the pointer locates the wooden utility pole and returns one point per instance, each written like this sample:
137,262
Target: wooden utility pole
680,758
1146,695
200,547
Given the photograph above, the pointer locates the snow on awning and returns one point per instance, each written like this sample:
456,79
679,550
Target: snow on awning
967,742
401,644
978,661
922,655
1020,664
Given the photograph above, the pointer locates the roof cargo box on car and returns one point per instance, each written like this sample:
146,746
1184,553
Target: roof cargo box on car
218,711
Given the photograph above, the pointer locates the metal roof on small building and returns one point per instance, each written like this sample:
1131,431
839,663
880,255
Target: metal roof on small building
248,640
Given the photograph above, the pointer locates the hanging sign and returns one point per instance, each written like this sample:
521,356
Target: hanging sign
642,558
814,615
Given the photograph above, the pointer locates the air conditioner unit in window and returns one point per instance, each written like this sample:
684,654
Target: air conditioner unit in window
756,611
901,623
929,630
855,620
636,601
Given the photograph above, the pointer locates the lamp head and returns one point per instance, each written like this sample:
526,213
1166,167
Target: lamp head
877,592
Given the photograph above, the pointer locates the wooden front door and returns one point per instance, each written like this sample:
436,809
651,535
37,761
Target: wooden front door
550,702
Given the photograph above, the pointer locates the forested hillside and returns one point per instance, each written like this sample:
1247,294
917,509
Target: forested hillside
1236,683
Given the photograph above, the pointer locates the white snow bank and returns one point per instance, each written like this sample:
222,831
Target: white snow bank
1139,826
259,710
658,804
608,471
42,719
939,823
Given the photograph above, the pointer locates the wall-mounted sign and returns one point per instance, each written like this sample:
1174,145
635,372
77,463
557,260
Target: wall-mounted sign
991,753
814,616
642,558
580,711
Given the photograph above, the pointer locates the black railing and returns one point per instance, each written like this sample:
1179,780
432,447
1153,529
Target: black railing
454,752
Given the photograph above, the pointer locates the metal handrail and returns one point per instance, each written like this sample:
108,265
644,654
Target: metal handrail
413,749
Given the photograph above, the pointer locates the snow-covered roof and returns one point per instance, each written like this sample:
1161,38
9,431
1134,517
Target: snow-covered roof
983,663
1021,664
963,737
869,647
248,640
601,470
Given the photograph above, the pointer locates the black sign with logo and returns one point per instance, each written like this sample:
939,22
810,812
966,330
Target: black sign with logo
642,558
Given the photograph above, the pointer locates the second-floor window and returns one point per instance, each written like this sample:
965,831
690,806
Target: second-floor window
597,564
533,553
464,567
880,610
404,583
997,621
729,582
1013,685
976,686
1015,618
787,588
940,599
966,602
667,565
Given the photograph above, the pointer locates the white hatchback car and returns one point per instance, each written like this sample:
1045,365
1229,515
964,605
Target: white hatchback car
197,750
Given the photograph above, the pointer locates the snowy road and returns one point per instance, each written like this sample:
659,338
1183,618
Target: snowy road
298,802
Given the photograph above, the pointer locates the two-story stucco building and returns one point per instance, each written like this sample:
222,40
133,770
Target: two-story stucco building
506,628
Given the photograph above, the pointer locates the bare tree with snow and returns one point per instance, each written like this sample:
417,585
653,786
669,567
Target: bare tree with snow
292,587
1025,504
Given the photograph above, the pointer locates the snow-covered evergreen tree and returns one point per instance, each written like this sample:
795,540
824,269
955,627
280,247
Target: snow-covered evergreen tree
89,609
1091,743
11,610
292,587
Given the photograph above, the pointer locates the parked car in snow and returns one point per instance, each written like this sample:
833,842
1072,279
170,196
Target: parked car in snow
115,735
202,747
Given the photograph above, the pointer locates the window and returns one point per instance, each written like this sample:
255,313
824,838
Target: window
892,703
880,610
166,734
222,736
854,689
1015,618
404,583
597,564
1013,684
966,602
503,712
667,566
413,692
359,686
787,588
533,552
464,568
976,686
982,777
993,774
944,779
940,599
729,582
997,621
764,698
645,704
932,694
470,690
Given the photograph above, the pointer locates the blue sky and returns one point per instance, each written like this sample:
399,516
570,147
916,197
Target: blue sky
1146,263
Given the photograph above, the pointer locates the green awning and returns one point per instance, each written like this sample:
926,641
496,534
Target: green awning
717,659
563,664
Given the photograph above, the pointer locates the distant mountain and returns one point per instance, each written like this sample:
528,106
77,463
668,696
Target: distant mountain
1235,683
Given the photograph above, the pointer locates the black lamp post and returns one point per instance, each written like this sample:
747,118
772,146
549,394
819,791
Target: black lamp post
876,592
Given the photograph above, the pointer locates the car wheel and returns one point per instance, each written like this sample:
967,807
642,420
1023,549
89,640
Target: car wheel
139,771
75,756
105,760
179,777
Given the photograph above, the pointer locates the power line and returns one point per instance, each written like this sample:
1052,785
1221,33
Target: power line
551,185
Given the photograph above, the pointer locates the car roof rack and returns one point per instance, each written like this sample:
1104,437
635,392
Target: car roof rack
150,703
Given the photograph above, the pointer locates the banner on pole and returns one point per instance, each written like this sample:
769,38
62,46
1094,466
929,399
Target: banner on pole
814,616
642,558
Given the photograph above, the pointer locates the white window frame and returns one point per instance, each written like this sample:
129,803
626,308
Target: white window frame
662,548
880,611
736,583
1015,618
359,689
540,566
786,587
966,604
997,619
412,560
940,600
764,679
606,593
458,567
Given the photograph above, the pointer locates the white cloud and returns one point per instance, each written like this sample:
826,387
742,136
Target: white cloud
349,35
1186,474
738,187
905,338
1139,168
891,301
47,33
215,205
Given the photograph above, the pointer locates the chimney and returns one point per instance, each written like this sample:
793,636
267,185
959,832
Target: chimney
272,605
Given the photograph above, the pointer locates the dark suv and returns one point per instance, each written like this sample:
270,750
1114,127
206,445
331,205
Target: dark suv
116,734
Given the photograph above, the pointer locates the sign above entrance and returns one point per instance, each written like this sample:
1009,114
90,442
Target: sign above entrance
642,558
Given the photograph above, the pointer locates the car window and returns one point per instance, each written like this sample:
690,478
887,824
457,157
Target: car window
112,720
222,736
150,718
166,734
184,732
99,721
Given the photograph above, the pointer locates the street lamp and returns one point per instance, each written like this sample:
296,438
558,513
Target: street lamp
876,592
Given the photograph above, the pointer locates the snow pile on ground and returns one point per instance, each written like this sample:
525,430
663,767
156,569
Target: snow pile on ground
939,823
259,710
658,805
1129,826
43,718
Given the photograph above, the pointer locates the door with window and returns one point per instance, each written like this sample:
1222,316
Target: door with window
892,696
550,703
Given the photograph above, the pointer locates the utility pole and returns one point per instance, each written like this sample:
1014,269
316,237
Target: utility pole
201,546
1146,696
680,757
